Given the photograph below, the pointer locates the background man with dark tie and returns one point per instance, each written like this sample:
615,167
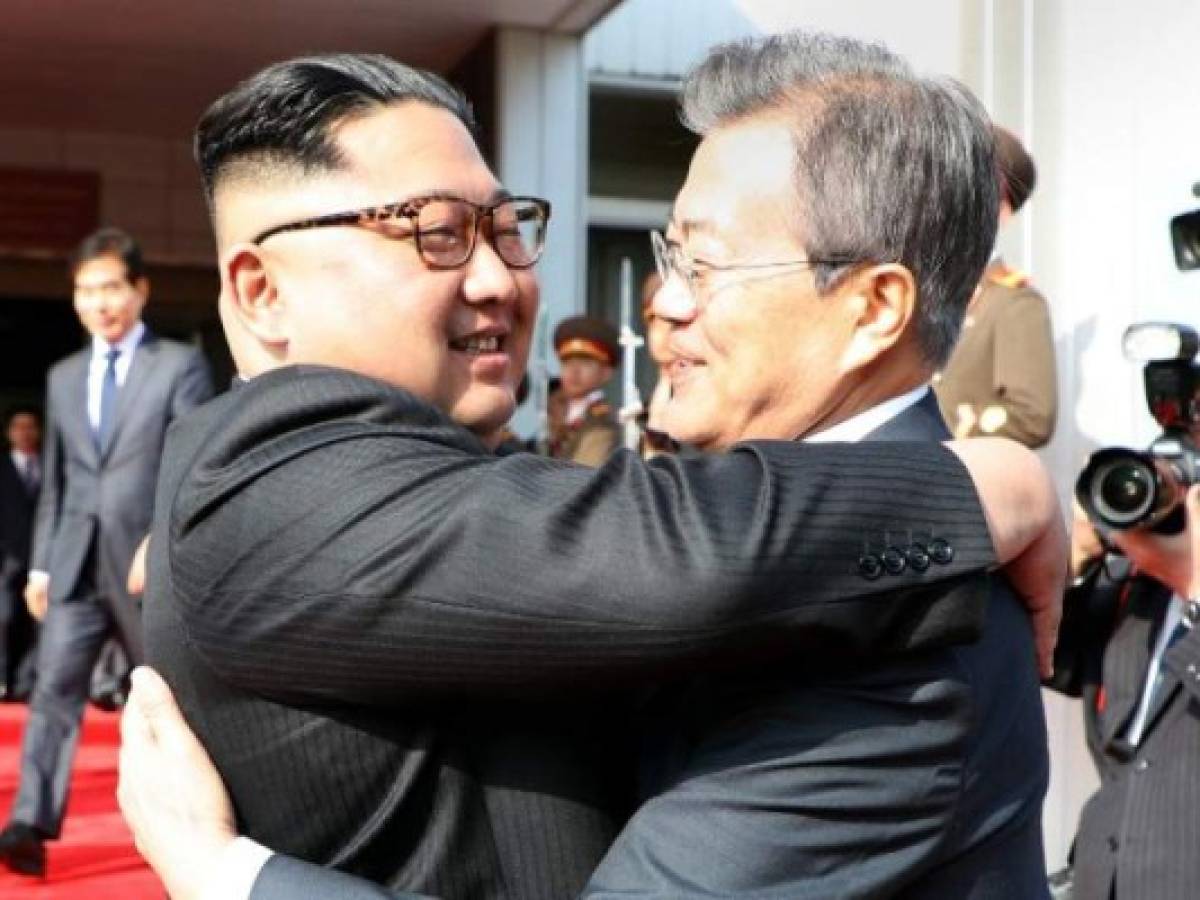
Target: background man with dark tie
108,408
20,481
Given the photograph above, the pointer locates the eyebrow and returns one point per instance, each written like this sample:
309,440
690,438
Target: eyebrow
497,196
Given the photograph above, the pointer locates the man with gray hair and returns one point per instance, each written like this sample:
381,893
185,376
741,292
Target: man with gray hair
835,219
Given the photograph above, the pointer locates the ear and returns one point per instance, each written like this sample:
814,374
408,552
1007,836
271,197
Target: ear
141,284
253,299
882,301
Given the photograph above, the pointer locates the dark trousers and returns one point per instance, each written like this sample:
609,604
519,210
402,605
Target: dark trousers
73,635
18,636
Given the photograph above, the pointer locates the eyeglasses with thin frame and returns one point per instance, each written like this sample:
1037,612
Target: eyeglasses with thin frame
446,228
670,259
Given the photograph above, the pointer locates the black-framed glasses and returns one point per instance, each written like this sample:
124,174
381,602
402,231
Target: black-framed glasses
446,228
670,259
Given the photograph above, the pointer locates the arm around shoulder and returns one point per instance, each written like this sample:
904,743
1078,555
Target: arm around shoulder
287,878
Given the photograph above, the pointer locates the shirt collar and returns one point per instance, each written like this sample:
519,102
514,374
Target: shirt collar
859,426
126,345
576,409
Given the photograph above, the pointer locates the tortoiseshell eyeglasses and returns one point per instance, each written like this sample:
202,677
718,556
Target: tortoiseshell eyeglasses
446,228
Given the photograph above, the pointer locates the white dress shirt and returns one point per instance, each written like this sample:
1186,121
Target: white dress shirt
27,466
858,426
98,365
577,409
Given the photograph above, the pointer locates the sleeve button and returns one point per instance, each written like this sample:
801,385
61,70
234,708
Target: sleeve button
940,551
918,558
869,566
893,561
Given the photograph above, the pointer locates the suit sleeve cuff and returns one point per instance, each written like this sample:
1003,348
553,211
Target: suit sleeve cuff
236,870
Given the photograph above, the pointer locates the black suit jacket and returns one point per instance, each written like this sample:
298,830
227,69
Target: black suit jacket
17,507
919,775
1139,832
396,645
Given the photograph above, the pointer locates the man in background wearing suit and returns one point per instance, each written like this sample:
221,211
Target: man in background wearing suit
529,560
107,411
1131,650
20,481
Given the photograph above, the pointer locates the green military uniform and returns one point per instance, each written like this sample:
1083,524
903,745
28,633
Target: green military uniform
592,437
1001,379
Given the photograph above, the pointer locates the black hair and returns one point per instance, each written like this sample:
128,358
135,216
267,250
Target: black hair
283,116
110,242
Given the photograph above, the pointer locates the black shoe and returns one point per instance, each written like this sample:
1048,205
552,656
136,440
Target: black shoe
19,695
22,849
109,700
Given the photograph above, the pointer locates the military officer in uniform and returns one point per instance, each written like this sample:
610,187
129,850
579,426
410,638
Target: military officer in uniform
1000,380
587,351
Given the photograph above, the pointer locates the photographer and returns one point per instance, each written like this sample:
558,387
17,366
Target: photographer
1129,649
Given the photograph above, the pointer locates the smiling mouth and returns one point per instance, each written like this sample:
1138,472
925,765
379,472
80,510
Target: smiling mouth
477,345
679,369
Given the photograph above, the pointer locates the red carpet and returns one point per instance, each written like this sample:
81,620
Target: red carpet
95,860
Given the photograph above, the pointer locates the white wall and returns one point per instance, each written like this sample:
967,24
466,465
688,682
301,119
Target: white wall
541,149
661,38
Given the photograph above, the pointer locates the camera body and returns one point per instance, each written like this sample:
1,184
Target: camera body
1121,488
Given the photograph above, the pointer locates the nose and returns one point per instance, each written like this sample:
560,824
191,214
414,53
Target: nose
487,277
674,302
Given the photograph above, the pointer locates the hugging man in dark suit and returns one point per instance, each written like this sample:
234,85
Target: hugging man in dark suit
20,481
107,411
401,650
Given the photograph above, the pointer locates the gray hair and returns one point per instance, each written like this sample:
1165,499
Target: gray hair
890,166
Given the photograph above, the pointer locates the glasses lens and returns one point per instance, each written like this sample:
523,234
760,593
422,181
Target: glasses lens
661,261
519,232
445,232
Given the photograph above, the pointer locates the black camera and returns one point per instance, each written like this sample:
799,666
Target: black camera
1122,488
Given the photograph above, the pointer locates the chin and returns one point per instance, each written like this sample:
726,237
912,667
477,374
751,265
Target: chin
688,426
485,416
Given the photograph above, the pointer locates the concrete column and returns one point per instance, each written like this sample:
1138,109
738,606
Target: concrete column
541,149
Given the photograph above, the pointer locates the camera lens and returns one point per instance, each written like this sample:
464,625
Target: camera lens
1123,491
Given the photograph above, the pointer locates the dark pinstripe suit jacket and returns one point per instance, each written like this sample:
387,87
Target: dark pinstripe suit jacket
1141,829
397,646
919,775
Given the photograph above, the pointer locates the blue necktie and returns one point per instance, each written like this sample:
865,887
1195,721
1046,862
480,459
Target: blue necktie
108,400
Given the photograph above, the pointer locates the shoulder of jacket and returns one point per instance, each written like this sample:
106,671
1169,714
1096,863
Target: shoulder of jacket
1006,276
77,359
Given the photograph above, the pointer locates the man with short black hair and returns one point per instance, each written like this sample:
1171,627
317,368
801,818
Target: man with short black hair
107,412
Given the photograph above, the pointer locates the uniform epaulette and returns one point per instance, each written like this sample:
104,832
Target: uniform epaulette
1009,278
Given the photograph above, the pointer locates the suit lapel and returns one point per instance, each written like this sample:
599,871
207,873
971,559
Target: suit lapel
920,422
74,422
1126,659
141,367
1170,684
